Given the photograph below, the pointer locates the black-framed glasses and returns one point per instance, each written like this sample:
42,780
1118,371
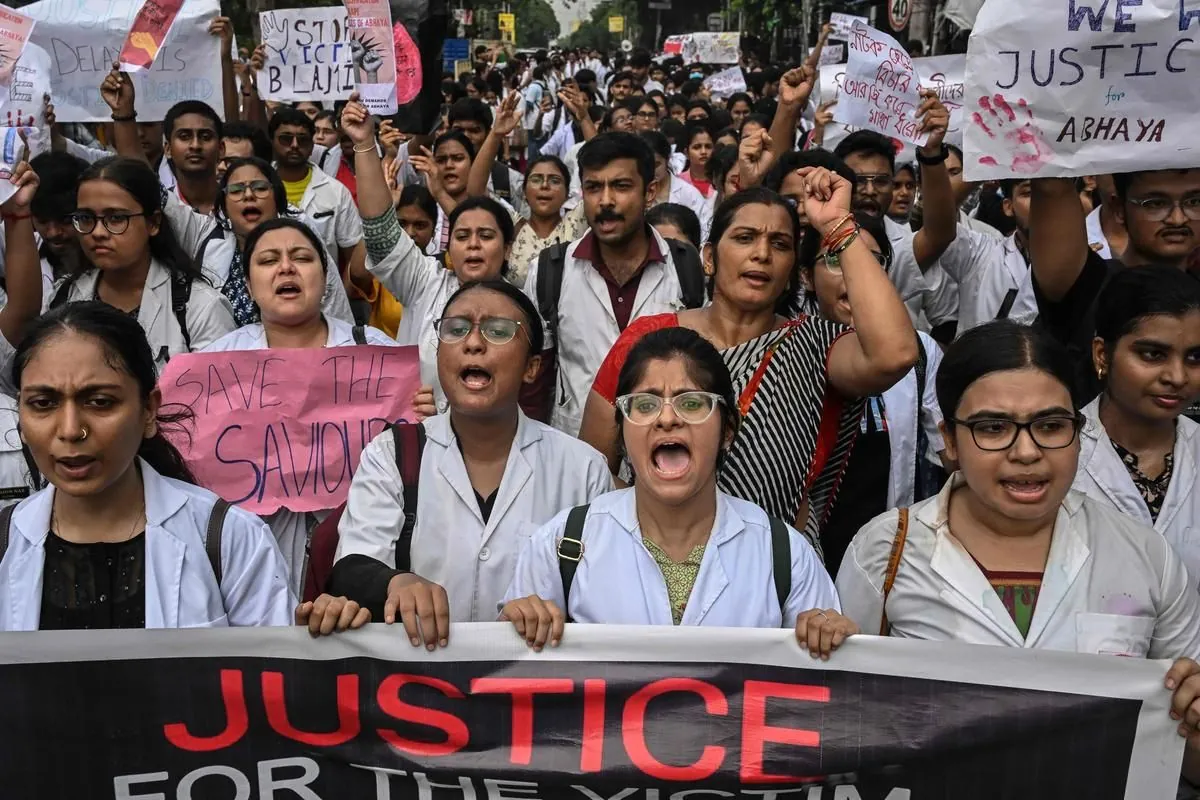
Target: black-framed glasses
643,408
882,182
496,330
258,188
289,139
1157,209
116,224
1049,433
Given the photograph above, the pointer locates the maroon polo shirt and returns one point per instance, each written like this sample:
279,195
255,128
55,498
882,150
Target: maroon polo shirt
621,297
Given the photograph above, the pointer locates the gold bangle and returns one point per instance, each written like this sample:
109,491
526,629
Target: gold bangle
367,149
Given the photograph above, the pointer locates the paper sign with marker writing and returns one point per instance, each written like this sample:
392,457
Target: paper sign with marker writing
15,29
726,82
843,24
832,54
712,48
285,428
409,72
880,90
84,37
22,104
373,53
1080,87
309,55
148,34
12,152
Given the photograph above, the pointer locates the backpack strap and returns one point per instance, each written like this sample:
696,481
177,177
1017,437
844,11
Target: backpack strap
690,273
359,333
409,439
922,370
6,515
181,294
63,293
570,552
35,476
551,264
1010,298
501,182
893,567
781,561
212,540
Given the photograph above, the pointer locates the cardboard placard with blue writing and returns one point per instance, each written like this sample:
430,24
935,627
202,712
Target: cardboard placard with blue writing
309,55
1080,87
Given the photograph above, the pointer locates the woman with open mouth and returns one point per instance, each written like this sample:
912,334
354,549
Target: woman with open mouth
799,383
121,537
248,194
286,279
898,455
1139,452
489,476
673,549
1007,554
480,236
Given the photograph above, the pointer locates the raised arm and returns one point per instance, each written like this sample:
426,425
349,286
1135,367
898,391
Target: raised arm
508,117
1058,245
117,91
795,87
883,346
941,212
22,265
222,27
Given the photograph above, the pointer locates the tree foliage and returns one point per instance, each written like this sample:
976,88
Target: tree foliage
537,23
594,34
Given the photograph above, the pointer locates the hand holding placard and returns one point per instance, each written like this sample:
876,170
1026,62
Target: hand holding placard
880,88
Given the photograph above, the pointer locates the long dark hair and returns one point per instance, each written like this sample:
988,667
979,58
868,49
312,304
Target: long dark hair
136,178
126,349
723,218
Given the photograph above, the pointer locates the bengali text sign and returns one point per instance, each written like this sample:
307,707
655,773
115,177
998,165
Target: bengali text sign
880,90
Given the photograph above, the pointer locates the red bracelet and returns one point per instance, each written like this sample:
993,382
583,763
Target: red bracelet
16,217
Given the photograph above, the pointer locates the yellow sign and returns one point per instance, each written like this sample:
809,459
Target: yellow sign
508,22
508,36
616,24
576,25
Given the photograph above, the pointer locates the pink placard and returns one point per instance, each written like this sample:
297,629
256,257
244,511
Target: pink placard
369,23
285,428
14,34
408,66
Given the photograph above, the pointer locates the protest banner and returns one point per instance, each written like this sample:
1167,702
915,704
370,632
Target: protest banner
373,53
22,104
726,82
409,67
712,48
880,90
309,55
627,713
85,37
285,428
1081,87
150,29
832,54
14,35
13,151
843,24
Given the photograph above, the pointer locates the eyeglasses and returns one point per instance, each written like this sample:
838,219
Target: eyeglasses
496,330
880,182
553,181
289,139
647,115
258,188
116,224
1157,209
836,269
642,408
1048,433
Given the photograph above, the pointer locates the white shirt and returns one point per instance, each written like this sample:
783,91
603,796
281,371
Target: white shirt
293,528
423,286
16,482
1095,235
903,418
587,327
618,581
181,589
331,210
922,292
1103,476
1111,585
684,194
986,270
452,546
209,315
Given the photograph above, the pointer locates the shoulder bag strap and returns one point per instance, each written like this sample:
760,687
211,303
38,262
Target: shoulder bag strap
889,580
6,515
781,561
409,439
212,540
570,553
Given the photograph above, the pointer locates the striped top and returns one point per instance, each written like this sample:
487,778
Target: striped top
796,435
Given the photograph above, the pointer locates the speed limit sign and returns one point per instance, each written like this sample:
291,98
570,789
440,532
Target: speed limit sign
899,12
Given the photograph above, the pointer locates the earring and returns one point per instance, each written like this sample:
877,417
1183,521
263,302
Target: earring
1100,373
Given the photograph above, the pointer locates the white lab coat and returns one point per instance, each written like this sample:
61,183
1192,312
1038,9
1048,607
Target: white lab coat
987,269
452,545
1111,586
900,404
930,296
16,482
207,241
688,196
423,286
618,582
181,589
1104,477
331,212
587,327
292,528
209,315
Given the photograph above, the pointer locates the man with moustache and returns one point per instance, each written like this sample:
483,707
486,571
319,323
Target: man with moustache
620,270
1160,213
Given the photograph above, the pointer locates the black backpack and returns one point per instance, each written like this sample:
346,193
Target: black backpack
501,181
553,262
181,294
570,553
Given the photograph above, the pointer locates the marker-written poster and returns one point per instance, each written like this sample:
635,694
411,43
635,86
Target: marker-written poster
881,90
1080,87
309,55
15,29
373,53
